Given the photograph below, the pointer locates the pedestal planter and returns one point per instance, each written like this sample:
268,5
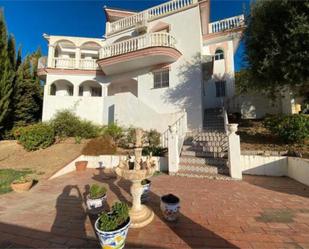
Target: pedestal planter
146,189
170,205
113,239
21,187
81,165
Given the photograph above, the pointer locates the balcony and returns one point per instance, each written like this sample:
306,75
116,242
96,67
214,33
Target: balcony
149,15
227,24
143,51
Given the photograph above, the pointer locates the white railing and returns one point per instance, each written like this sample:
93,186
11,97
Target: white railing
148,15
180,127
88,64
140,42
63,63
42,63
226,24
225,119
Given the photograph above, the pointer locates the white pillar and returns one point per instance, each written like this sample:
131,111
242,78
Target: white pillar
173,155
104,90
108,27
77,57
234,152
51,55
75,90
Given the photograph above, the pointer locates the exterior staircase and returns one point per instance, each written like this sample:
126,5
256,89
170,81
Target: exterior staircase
204,153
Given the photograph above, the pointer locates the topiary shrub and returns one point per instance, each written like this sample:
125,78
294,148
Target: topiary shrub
115,131
104,145
67,124
290,128
37,136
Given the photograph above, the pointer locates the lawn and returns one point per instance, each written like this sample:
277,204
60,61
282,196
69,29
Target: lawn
7,176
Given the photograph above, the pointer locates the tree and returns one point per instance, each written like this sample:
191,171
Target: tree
6,73
277,45
28,94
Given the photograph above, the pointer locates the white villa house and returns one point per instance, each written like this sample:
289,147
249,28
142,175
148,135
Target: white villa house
150,68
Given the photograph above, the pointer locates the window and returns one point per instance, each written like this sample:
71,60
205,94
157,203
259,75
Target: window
161,79
96,91
220,89
219,55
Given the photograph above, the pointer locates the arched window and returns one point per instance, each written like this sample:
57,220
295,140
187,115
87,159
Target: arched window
219,54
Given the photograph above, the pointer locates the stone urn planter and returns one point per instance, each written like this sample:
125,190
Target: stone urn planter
22,185
96,198
170,205
111,234
146,189
81,165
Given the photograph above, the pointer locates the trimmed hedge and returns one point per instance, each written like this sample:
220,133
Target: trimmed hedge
290,128
34,137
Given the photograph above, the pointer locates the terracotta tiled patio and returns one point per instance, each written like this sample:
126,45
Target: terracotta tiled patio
259,212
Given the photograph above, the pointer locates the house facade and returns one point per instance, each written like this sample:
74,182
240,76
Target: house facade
152,68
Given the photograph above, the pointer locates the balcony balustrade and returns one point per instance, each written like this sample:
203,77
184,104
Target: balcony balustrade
227,24
148,15
137,43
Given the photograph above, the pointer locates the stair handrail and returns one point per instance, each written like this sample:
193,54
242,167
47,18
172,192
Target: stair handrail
226,120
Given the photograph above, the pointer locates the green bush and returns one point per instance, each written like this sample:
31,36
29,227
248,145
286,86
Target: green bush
152,138
37,136
67,124
97,191
115,131
290,128
154,151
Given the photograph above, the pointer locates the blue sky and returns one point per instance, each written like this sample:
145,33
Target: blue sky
28,20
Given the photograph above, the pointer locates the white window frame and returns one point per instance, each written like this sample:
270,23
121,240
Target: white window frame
219,54
161,80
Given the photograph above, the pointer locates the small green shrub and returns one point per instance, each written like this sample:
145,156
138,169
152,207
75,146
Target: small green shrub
290,128
78,139
115,131
114,220
154,151
128,139
37,136
97,191
104,145
152,138
67,124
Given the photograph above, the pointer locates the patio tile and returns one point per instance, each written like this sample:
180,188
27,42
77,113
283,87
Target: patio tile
214,214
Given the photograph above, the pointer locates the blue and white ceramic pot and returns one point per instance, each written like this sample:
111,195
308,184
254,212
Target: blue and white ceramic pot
97,203
170,205
146,190
112,239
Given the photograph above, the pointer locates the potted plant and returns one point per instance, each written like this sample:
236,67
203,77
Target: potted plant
146,189
112,227
22,184
170,205
96,197
81,165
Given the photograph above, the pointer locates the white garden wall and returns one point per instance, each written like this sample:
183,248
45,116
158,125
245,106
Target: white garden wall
295,168
106,161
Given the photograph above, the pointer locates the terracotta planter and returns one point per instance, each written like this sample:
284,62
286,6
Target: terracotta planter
81,165
113,239
170,205
21,187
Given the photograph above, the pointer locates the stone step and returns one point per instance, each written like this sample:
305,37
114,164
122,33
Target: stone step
203,175
188,160
204,154
199,168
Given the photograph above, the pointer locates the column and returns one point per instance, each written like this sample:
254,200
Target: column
77,57
173,154
51,55
234,152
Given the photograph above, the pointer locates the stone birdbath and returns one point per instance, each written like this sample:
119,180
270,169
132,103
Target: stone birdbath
140,214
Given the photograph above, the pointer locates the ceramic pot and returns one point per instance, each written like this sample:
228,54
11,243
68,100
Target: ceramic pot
113,239
21,187
81,165
170,205
95,203
146,190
